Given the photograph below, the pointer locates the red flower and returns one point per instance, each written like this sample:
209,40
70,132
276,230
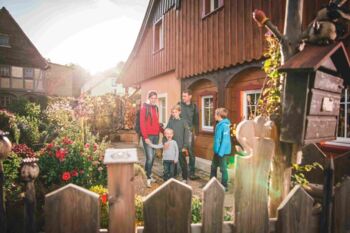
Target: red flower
50,146
60,154
95,146
87,145
67,141
74,173
104,198
66,176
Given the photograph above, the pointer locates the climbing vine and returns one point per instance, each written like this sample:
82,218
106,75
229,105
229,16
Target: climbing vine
270,100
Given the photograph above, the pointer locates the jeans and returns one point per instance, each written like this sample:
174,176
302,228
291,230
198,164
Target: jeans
183,165
150,153
192,158
219,162
169,167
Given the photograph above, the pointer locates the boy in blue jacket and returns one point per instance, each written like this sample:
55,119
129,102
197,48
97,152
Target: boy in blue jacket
222,145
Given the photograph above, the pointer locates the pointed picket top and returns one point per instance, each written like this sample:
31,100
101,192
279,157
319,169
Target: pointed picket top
168,208
294,212
72,209
213,206
342,207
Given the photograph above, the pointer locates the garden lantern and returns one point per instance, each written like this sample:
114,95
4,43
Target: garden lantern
314,81
121,194
29,172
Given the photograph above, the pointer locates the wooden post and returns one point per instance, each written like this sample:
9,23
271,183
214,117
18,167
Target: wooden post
326,216
72,209
168,209
121,195
29,172
341,211
213,207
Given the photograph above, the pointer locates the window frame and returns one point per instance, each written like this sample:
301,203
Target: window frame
345,140
8,40
165,96
9,71
158,45
244,105
206,7
206,128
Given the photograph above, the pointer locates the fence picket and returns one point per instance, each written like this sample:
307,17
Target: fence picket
168,209
251,188
295,212
72,209
341,211
213,207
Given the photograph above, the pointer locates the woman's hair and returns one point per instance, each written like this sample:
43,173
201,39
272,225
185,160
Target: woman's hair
222,112
151,93
176,107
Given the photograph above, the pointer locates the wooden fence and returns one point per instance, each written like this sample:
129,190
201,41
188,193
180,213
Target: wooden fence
168,210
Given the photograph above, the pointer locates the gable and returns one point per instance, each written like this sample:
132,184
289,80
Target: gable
21,52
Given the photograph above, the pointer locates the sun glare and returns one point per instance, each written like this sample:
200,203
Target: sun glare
99,47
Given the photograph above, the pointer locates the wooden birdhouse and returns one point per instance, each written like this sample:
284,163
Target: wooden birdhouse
315,78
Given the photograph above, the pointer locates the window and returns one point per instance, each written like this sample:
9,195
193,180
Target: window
158,35
344,117
211,5
28,73
4,40
250,103
5,101
5,71
208,113
162,107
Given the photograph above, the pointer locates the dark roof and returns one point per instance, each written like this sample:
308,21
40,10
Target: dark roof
314,56
21,52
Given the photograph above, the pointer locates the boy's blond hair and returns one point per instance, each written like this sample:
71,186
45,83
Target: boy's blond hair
222,112
176,107
169,130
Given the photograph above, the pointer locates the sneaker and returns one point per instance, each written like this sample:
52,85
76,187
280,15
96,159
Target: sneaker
149,183
194,177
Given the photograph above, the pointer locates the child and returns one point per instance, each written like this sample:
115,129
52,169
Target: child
222,145
181,136
170,154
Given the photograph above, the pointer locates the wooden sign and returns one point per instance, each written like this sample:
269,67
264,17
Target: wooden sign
127,155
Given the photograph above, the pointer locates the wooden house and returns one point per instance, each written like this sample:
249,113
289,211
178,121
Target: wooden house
21,65
214,48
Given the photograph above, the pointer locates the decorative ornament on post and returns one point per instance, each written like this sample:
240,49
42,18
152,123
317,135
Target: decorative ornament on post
5,149
29,172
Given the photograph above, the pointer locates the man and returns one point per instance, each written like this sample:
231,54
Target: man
189,112
150,129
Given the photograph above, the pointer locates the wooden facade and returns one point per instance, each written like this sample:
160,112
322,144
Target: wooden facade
220,52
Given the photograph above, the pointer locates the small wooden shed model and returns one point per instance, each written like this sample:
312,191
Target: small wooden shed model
315,78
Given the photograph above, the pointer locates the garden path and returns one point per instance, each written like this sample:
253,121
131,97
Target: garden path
197,185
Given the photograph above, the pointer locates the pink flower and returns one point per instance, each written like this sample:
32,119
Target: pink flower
95,146
66,176
67,141
87,145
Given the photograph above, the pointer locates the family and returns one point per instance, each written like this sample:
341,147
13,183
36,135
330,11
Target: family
179,136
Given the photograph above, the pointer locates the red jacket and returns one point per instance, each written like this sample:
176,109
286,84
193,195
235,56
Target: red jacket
149,124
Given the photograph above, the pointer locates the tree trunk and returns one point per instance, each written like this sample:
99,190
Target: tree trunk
285,154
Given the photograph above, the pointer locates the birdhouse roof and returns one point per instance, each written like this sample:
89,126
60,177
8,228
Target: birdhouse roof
332,57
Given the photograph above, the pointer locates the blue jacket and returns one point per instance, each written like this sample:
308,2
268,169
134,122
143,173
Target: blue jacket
222,138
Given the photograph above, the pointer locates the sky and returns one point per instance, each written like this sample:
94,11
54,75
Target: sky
95,34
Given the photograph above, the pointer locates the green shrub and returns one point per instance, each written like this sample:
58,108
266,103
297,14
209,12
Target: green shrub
196,209
12,186
8,124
